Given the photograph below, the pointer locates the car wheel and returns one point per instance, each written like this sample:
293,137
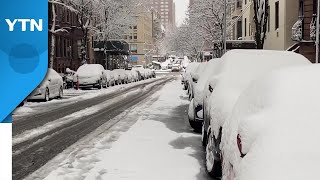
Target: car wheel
60,92
212,165
204,136
47,95
100,85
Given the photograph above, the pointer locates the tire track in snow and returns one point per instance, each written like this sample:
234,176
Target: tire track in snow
38,154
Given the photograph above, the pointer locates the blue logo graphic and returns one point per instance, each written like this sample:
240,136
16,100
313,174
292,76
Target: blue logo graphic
23,51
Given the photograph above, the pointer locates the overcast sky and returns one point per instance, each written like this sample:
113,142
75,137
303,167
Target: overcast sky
181,8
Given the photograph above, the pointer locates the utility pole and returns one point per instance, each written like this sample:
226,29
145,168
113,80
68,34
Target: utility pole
225,28
317,33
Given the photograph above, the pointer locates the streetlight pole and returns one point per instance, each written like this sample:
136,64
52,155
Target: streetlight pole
317,33
225,27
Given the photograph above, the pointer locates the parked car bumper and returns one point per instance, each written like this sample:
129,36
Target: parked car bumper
37,94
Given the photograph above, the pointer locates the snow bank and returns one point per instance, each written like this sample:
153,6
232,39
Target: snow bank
278,121
238,69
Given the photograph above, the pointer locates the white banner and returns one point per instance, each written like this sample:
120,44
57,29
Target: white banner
5,151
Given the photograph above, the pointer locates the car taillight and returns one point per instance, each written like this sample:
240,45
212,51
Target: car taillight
239,143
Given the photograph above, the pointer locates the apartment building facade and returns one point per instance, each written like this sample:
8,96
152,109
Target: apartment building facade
67,46
304,30
140,37
236,16
247,20
282,16
166,9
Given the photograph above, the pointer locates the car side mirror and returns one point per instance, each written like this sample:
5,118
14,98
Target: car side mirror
210,88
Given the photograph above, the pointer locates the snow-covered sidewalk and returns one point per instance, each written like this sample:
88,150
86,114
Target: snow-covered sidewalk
160,145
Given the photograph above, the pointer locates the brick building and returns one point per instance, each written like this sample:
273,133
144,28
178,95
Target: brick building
166,9
304,30
67,43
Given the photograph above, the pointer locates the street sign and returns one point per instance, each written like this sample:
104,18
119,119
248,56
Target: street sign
133,58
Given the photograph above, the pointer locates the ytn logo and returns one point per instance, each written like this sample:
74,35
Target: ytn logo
33,24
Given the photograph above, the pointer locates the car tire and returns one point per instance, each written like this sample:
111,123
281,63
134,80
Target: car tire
47,95
100,86
213,166
60,92
196,125
204,137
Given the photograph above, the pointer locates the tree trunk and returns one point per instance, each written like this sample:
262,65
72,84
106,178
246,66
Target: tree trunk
52,50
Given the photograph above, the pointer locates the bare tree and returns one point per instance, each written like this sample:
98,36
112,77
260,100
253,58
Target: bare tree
260,19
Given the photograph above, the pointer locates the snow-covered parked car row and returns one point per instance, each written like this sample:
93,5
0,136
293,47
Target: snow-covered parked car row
87,76
258,114
95,76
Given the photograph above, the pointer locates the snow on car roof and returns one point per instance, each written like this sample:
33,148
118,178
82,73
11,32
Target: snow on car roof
211,69
238,69
90,69
278,120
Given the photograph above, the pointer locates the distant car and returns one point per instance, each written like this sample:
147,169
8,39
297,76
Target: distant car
122,75
187,74
109,76
141,72
51,87
176,68
195,75
238,69
153,73
130,76
129,67
273,132
90,76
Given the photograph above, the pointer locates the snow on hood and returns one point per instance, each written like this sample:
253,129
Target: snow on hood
277,117
210,70
53,75
89,70
238,69
191,67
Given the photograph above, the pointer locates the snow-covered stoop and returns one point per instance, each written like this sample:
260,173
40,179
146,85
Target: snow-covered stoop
153,141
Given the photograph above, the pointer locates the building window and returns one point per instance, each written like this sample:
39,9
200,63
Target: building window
277,15
133,48
239,29
245,26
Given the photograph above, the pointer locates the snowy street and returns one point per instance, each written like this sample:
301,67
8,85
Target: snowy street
135,132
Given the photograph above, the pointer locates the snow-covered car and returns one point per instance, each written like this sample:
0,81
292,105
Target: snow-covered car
273,132
187,74
141,72
153,73
135,75
117,78
210,70
130,76
50,87
109,77
90,76
176,68
238,69
195,75
122,75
